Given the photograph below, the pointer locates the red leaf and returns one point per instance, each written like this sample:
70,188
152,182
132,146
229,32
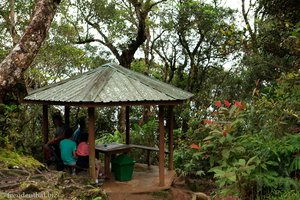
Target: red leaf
195,146
238,104
218,104
225,133
207,121
227,104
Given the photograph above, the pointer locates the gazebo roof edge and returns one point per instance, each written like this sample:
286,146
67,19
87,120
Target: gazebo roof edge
93,104
109,84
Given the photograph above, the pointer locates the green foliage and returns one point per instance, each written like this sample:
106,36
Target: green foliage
114,23
187,162
22,10
142,135
106,121
107,138
146,134
251,149
274,49
295,164
10,124
67,59
277,9
161,194
211,27
287,195
138,66
12,159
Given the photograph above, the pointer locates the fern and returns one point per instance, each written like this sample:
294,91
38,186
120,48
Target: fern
295,164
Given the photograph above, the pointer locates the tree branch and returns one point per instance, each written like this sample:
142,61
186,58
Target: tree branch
252,34
88,40
106,41
154,4
13,32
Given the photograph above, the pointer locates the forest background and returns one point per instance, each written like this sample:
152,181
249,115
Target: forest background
241,128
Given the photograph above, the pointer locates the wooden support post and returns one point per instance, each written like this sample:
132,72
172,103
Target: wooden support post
127,126
161,147
67,116
171,140
148,158
107,165
45,124
91,124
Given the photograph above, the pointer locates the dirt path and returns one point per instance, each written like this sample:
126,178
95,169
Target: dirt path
51,184
172,194
178,191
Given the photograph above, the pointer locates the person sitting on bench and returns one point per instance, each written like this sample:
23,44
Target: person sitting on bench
81,129
68,150
82,154
54,144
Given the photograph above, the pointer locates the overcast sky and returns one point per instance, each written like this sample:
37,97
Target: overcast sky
235,4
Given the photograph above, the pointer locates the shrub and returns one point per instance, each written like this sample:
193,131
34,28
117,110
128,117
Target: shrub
251,148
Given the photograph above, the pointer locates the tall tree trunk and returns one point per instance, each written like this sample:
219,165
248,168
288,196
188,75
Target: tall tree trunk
145,115
192,75
22,55
122,119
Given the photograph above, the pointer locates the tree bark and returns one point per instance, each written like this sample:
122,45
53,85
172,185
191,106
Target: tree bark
13,32
249,28
22,55
122,119
127,54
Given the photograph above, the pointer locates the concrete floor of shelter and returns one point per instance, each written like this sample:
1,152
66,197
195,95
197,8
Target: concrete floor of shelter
144,179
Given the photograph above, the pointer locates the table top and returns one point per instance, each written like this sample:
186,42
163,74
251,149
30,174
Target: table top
112,147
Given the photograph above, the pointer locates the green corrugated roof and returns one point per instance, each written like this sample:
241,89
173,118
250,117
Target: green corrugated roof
109,83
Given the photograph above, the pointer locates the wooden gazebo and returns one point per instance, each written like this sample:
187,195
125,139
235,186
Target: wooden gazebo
112,85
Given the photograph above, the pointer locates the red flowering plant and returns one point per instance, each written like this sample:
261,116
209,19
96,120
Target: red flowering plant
223,124
223,116
255,145
195,146
208,141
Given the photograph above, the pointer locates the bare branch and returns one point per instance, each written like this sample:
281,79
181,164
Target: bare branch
106,41
154,4
248,26
89,40
13,32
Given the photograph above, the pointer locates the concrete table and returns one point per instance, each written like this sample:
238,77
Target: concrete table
108,150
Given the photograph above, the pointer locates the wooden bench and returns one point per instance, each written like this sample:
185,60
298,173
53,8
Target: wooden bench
148,149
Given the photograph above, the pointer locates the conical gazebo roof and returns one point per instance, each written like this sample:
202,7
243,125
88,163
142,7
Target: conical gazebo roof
109,84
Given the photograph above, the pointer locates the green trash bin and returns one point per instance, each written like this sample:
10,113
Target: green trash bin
122,166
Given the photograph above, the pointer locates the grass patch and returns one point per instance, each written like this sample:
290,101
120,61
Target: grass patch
12,159
286,195
163,193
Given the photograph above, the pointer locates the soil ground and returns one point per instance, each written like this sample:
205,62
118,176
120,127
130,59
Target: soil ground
52,184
